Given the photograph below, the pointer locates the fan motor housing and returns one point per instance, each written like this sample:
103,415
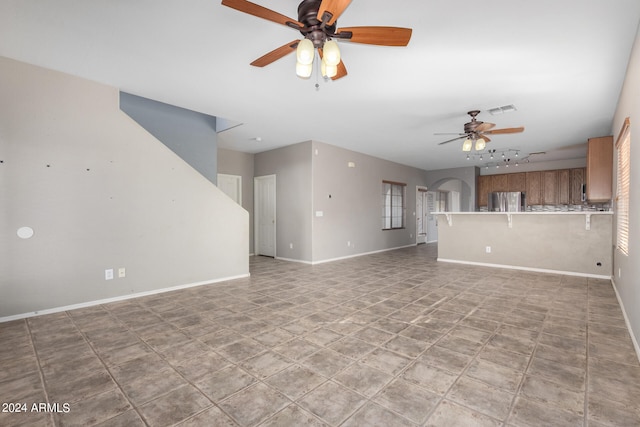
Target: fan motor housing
313,29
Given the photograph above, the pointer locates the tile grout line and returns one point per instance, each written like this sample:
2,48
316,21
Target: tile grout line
40,371
106,367
586,368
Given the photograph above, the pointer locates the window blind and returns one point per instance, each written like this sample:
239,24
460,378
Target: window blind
623,147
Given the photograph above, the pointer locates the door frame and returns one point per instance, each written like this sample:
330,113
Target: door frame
421,189
257,194
237,182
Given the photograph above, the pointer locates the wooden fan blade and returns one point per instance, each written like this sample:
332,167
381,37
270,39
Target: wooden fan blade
451,140
382,36
262,12
332,7
276,54
505,130
342,70
485,137
484,126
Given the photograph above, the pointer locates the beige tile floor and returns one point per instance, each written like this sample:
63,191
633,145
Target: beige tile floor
390,339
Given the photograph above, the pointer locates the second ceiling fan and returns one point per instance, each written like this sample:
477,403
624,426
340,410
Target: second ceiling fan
317,24
475,133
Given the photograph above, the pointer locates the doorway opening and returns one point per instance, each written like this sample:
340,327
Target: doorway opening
265,215
421,215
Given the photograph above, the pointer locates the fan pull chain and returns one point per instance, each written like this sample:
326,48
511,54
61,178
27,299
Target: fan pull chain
317,72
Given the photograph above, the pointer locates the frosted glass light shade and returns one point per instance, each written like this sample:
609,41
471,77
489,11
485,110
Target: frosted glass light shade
467,144
304,70
328,70
331,53
480,144
305,52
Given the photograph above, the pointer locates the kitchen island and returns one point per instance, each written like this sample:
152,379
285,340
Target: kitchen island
575,243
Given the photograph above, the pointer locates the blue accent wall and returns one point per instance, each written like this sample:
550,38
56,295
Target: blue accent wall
189,134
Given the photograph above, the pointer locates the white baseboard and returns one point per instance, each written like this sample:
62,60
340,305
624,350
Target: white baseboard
301,261
361,254
323,261
537,270
116,299
626,320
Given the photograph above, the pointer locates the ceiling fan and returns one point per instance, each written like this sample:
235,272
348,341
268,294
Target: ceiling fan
475,133
317,24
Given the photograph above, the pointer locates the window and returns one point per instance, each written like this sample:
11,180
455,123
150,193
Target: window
623,148
393,205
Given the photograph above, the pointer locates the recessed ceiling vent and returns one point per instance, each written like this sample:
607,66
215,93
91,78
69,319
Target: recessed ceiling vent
504,109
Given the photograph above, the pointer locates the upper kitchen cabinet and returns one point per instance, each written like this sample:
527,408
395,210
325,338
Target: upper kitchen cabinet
550,187
564,186
599,169
576,186
534,188
517,181
484,188
499,182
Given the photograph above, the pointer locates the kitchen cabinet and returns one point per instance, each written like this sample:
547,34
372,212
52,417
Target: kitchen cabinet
575,186
554,187
499,182
484,188
599,169
550,188
563,177
517,181
534,188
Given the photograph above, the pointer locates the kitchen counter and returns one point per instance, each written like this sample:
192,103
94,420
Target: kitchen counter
509,215
565,242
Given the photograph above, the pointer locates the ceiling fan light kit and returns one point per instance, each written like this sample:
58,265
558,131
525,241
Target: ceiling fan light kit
475,132
318,26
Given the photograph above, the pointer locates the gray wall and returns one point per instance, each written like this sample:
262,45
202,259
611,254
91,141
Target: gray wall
237,163
558,242
626,269
100,192
189,134
292,167
307,174
350,199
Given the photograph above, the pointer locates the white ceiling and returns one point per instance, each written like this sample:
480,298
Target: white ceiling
561,63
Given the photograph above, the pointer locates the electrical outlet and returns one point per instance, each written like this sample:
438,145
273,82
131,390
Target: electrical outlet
349,243
122,272
108,274
487,249
290,245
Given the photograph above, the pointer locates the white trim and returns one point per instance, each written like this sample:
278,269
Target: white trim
517,267
626,320
238,182
361,254
421,188
345,257
116,299
294,260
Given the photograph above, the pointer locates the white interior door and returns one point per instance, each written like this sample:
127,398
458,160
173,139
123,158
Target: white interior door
265,215
421,215
231,185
